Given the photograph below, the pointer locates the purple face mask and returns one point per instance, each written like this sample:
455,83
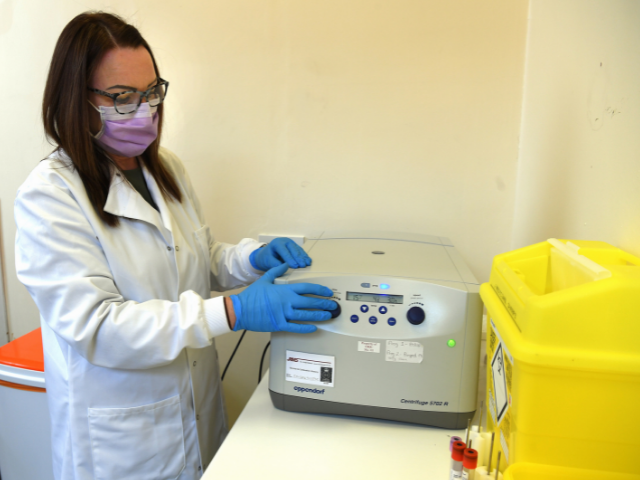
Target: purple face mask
130,134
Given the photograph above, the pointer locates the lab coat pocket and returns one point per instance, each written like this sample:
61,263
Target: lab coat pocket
139,443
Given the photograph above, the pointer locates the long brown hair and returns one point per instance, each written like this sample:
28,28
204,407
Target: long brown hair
65,107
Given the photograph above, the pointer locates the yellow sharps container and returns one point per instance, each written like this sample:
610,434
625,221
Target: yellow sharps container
537,471
563,356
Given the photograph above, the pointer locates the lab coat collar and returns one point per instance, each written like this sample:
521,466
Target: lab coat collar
158,197
124,201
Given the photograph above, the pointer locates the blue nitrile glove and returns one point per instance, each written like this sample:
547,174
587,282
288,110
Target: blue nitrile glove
277,252
265,307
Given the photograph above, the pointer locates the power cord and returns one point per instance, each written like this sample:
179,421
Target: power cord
262,361
232,355
264,352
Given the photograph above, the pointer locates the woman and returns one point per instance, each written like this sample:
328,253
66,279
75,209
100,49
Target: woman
112,247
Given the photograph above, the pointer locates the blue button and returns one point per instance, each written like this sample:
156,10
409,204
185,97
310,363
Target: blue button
364,309
391,321
365,285
382,309
373,320
354,318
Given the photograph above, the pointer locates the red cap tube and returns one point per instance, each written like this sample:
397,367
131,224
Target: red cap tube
470,459
458,451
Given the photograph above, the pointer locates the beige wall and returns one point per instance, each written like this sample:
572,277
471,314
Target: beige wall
579,166
298,116
320,115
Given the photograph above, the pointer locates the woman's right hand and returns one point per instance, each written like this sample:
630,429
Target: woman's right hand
265,307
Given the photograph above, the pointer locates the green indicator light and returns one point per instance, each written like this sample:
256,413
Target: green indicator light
451,343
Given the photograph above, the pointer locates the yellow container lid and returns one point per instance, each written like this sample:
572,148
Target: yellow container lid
568,303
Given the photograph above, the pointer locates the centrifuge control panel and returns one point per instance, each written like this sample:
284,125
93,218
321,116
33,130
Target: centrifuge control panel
393,308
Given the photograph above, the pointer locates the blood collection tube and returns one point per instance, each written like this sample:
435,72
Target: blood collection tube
469,464
457,455
453,440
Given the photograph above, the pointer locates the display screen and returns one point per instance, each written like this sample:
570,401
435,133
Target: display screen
374,297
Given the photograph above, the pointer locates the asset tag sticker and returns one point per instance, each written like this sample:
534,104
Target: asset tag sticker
404,352
371,347
310,368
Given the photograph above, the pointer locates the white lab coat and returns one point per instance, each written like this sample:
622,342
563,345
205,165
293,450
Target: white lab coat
127,323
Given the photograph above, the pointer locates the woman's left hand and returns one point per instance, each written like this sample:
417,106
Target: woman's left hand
279,251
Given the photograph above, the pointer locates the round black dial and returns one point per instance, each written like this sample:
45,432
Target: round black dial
415,315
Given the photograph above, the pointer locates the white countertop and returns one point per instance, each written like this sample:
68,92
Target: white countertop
268,443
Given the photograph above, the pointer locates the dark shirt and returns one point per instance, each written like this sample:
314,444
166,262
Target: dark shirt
136,178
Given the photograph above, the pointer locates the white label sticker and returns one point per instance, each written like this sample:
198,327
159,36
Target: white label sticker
310,368
369,347
404,352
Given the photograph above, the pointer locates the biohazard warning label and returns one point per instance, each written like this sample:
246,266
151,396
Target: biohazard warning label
501,402
500,373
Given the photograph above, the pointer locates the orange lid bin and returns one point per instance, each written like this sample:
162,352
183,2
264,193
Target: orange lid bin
24,353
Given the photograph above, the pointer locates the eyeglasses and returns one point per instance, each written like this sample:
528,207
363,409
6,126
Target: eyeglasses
129,101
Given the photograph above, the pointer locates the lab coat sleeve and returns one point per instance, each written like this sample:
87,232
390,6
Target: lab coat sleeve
230,265
60,261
